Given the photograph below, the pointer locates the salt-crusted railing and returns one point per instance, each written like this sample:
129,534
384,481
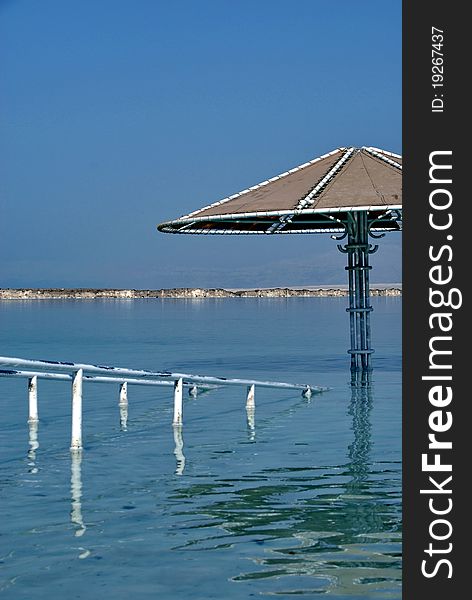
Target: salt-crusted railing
78,373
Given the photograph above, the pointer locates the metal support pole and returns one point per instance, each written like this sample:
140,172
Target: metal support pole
357,290
33,399
352,322
363,302
367,295
178,411
76,437
361,248
367,308
357,250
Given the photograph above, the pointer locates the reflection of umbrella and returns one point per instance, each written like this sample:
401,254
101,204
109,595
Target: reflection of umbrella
353,191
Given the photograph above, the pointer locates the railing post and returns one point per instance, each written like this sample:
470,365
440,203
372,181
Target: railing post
178,388
33,399
76,437
251,411
123,394
250,398
123,404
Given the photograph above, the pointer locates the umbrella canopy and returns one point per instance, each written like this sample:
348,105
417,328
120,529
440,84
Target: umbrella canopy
316,197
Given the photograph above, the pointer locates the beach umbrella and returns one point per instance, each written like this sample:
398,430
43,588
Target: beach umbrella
351,193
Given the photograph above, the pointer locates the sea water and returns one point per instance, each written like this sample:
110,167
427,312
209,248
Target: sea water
301,498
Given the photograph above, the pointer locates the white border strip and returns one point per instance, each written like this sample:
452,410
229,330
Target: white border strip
382,151
277,213
379,154
265,232
309,199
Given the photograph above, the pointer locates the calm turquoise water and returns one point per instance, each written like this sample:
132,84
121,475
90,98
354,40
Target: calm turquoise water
305,501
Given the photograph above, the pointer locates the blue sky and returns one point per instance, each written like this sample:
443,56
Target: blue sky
117,115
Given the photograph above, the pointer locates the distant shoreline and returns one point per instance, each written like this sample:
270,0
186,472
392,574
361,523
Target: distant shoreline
321,291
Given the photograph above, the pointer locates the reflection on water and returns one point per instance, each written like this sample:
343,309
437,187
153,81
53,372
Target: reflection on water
178,451
251,423
33,446
123,416
307,529
328,530
76,493
359,449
